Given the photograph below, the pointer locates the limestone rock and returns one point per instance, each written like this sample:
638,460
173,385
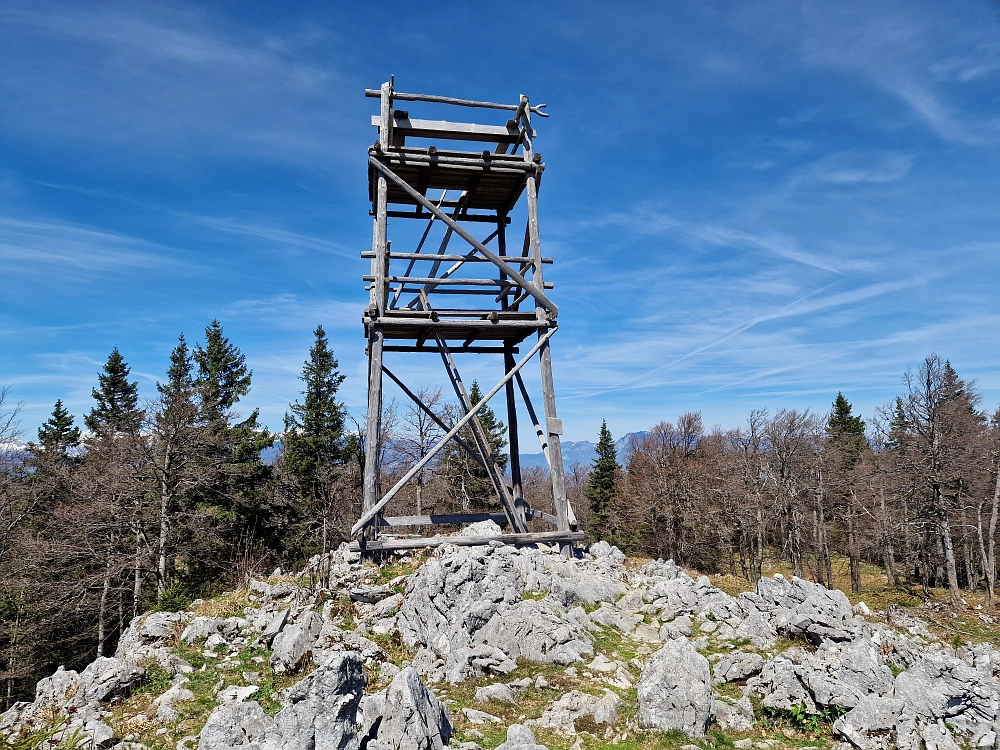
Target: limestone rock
871,724
519,737
800,608
495,692
562,715
292,648
735,666
675,690
734,715
407,716
320,713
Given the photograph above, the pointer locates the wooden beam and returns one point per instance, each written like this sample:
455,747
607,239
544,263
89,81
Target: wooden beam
434,350
538,294
435,518
538,537
370,513
451,256
483,218
373,429
468,160
515,514
436,419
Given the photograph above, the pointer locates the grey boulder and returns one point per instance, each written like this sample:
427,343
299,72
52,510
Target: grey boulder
406,716
675,690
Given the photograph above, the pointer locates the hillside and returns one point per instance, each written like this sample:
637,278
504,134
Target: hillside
520,648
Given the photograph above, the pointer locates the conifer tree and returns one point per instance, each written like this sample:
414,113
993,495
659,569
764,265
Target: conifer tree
469,482
600,489
58,434
314,429
117,399
846,429
222,371
180,449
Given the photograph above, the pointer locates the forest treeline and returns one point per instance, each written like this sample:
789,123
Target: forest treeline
157,501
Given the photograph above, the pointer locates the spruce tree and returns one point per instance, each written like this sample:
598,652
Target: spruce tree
222,371
314,429
600,489
469,482
117,399
846,429
58,434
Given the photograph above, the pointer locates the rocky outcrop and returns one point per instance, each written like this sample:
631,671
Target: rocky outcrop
406,716
320,712
675,690
78,698
464,609
800,609
563,714
835,676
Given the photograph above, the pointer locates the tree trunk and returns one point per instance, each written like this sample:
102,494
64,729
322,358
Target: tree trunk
161,545
852,548
991,559
102,611
944,530
888,553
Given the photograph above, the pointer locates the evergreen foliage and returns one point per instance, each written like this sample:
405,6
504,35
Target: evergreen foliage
58,434
117,399
314,429
222,371
845,429
600,491
469,482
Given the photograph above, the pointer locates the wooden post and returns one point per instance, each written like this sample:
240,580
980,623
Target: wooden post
553,425
376,309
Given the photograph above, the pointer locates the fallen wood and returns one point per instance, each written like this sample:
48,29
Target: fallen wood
542,537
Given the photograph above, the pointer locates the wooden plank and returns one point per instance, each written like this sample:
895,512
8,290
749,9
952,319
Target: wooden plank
472,314
452,131
447,281
445,325
455,350
470,160
538,537
481,218
436,518
373,94
538,294
450,256
370,513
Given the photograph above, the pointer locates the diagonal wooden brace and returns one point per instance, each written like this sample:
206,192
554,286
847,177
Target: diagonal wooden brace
369,514
528,286
517,520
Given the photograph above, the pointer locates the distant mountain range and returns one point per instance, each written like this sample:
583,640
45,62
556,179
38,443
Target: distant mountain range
579,451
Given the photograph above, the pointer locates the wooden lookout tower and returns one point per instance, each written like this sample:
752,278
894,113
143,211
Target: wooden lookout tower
476,299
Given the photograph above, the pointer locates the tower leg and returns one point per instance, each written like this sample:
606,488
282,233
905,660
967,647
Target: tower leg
520,506
376,308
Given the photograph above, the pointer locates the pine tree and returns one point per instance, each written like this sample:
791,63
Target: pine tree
58,434
469,482
600,489
222,371
846,429
314,429
117,399
495,430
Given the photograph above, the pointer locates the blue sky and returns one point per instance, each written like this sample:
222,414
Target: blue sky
750,204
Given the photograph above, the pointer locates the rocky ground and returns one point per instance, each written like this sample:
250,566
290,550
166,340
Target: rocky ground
520,648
